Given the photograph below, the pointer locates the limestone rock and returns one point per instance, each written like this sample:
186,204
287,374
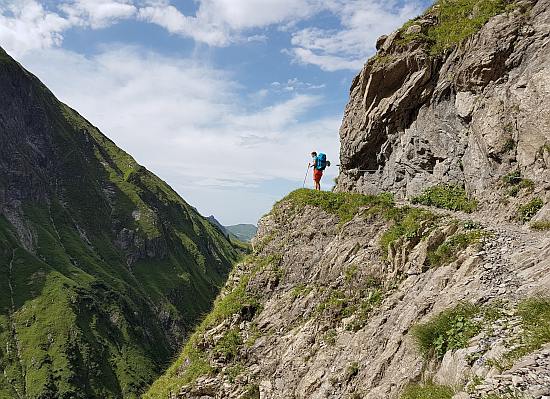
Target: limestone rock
469,116
317,338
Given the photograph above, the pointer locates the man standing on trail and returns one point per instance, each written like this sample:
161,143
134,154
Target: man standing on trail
319,164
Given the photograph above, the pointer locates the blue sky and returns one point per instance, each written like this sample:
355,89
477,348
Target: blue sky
223,99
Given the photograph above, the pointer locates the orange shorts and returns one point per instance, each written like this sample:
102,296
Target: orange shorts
317,174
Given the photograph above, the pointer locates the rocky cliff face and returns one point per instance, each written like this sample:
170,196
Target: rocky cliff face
332,308
104,267
358,294
421,114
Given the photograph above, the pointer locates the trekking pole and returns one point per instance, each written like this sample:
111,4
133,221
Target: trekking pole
305,178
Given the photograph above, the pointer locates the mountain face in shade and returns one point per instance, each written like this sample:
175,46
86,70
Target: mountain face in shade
212,219
104,268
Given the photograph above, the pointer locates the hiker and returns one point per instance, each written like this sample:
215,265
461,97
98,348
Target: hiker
319,164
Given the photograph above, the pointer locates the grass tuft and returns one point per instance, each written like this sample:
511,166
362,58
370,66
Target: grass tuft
515,182
535,317
447,196
541,225
447,252
409,223
344,205
228,346
450,330
427,390
300,290
527,211
252,392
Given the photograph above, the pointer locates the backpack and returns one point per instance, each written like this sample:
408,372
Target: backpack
322,162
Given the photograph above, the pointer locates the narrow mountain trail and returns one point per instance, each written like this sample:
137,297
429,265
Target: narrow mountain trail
507,252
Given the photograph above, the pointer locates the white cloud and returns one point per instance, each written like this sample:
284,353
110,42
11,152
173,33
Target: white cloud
181,119
98,13
295,85
362,22
328,63
170,18
26,25
257,38
247,14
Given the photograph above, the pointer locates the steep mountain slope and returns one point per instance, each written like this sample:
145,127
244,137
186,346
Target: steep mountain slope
212,219
424,111
424,291
338,299
104,267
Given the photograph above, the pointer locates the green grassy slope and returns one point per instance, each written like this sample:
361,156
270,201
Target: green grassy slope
457,20
120,266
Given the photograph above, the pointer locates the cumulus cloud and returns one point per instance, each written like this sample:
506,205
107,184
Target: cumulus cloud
246,14
181,118
329,63
295,85
362,22
25,25
170,18
98,13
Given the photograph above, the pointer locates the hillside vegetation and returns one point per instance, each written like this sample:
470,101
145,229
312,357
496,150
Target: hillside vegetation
456,21
105,268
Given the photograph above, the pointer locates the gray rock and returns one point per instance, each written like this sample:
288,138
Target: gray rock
468,117
413,29
306,352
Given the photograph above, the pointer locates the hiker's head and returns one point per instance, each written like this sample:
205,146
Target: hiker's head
313,154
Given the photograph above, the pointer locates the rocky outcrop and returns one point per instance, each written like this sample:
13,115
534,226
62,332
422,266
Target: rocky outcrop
468,116
332,315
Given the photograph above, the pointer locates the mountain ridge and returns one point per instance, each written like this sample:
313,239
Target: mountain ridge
107,267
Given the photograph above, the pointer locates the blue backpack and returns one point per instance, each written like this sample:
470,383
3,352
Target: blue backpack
321,163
